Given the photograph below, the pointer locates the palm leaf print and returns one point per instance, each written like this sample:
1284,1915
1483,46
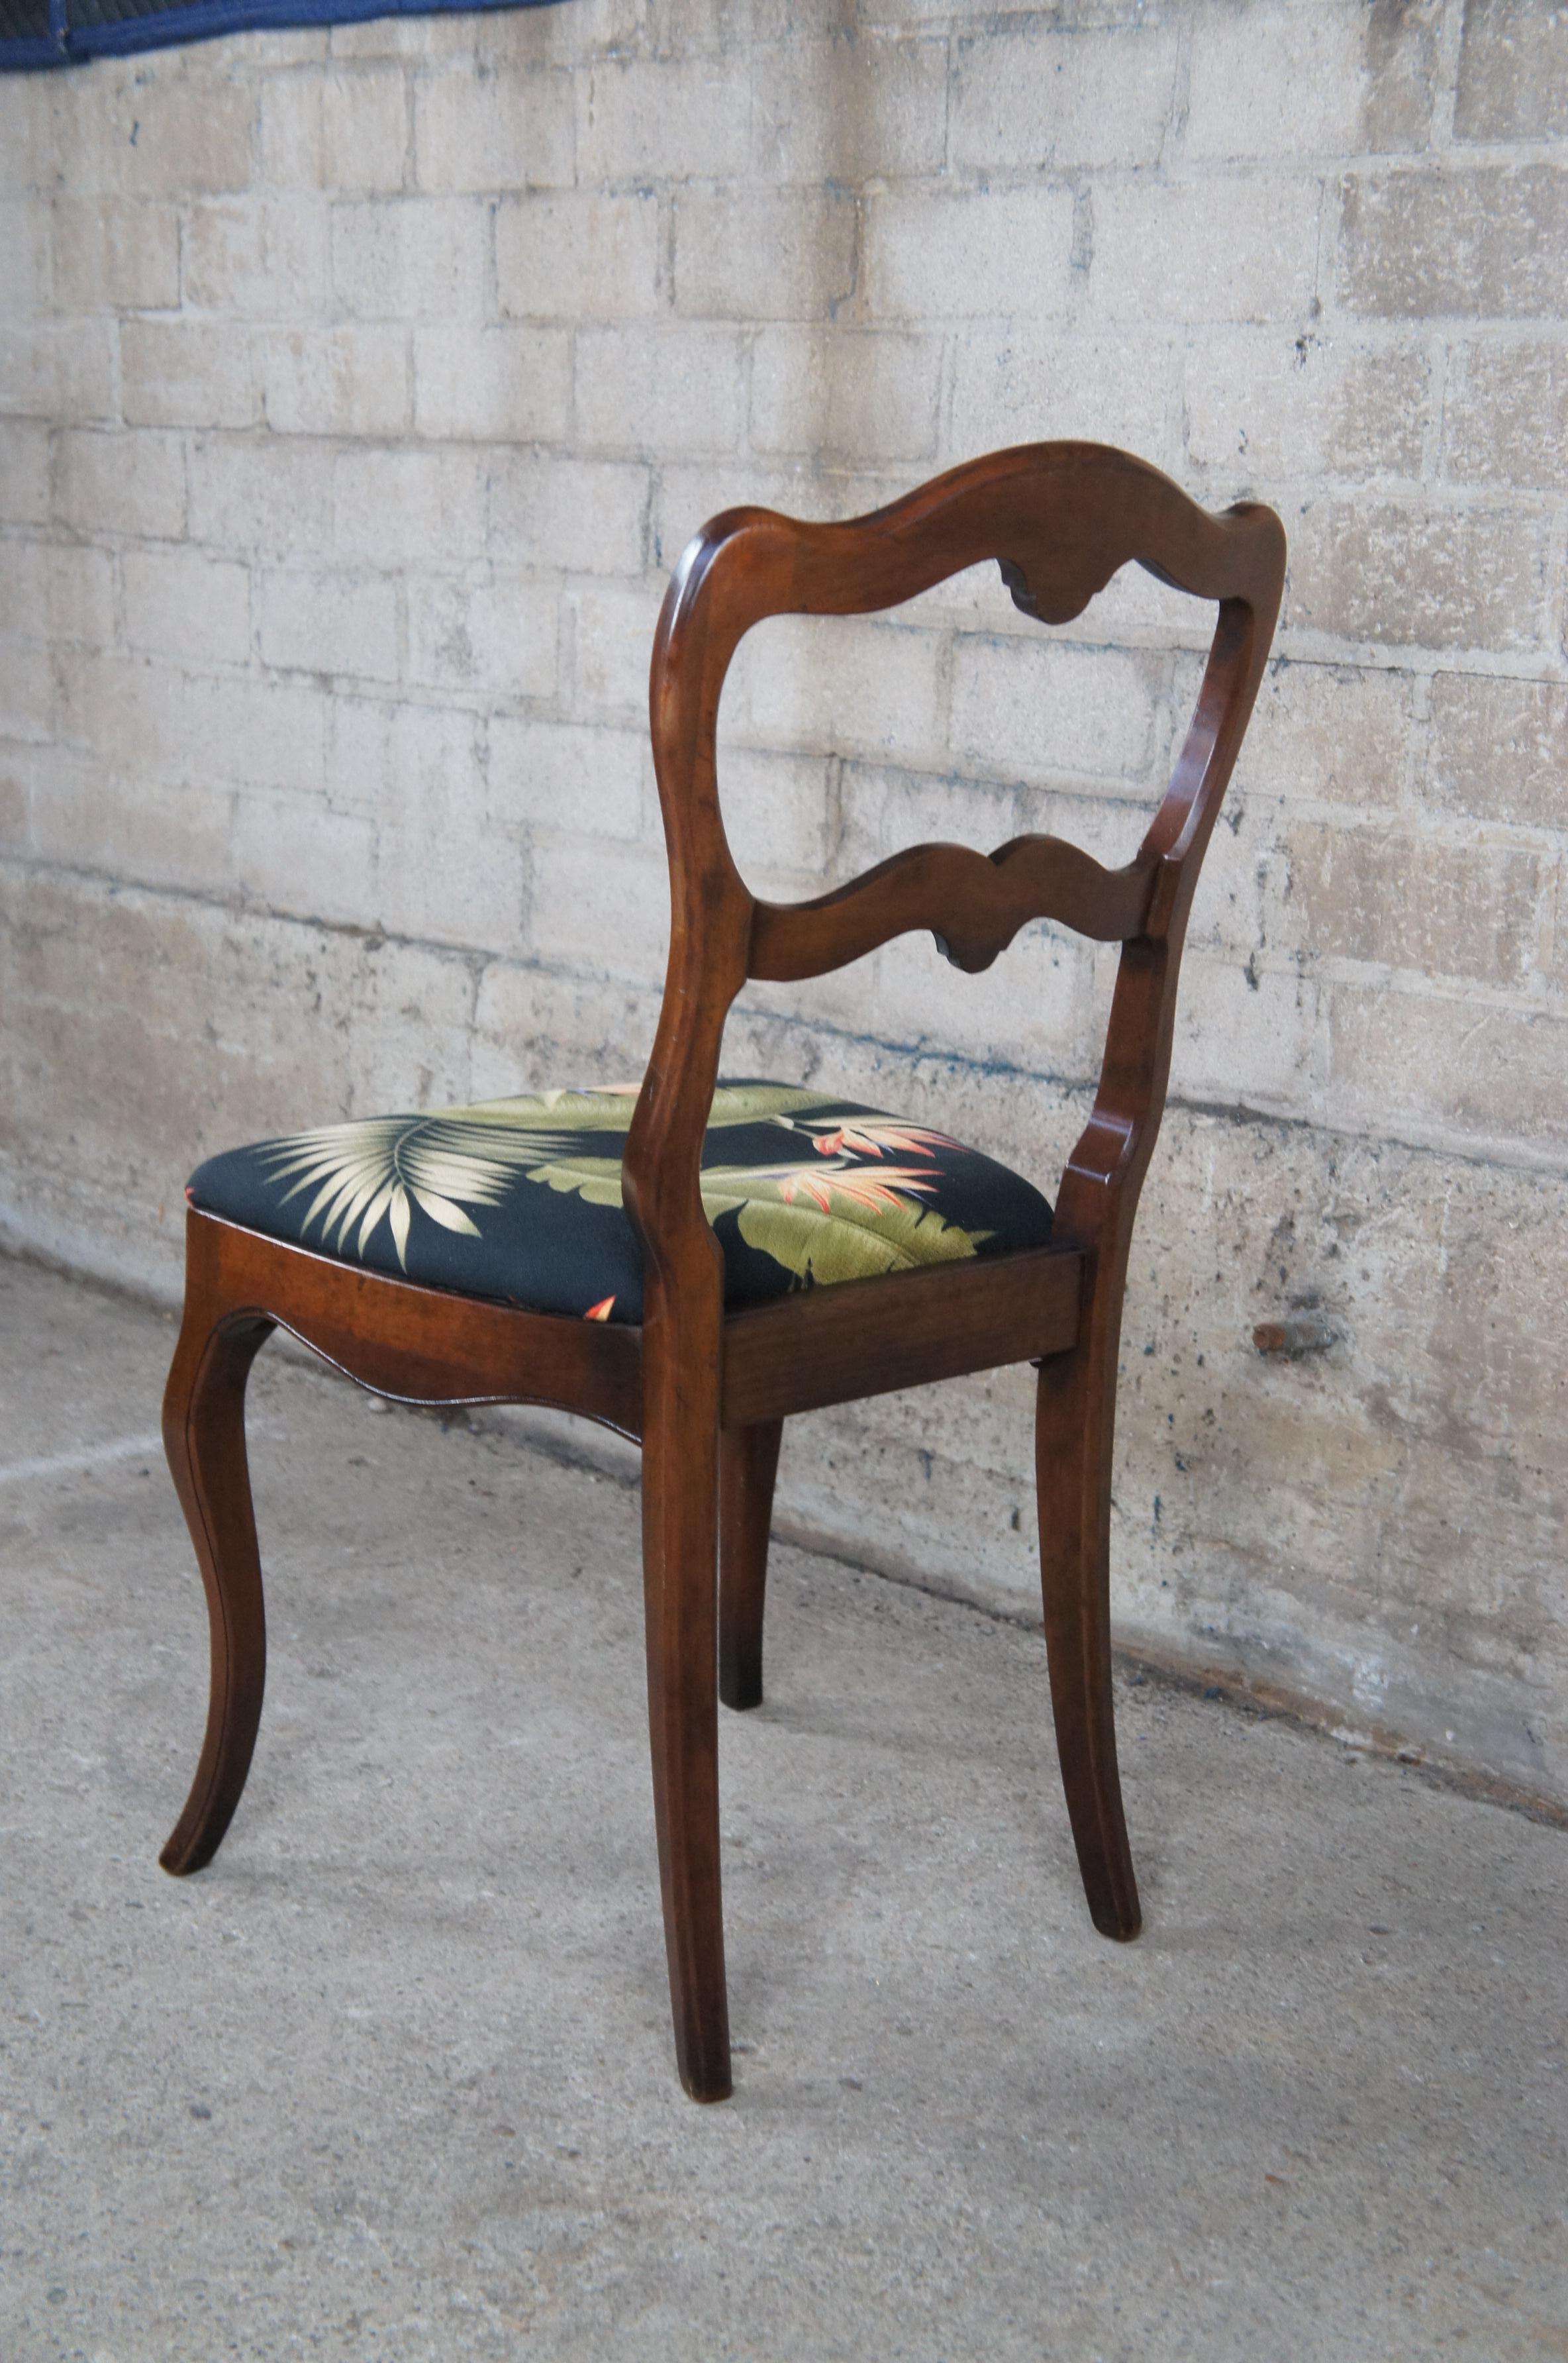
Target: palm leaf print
387,1165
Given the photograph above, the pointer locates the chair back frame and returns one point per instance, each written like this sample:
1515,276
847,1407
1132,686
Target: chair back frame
1060,519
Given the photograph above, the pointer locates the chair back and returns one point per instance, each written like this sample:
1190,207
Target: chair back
1060,519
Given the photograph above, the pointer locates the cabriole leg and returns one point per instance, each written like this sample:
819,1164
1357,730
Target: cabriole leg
204,1436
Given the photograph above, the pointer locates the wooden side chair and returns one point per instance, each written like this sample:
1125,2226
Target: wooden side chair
692,1268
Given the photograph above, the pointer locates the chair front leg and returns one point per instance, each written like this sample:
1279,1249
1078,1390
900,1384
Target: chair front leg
204,1437
748,1463
681,1509
1075,1424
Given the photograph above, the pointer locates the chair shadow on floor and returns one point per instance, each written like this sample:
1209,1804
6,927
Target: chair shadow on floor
655,1310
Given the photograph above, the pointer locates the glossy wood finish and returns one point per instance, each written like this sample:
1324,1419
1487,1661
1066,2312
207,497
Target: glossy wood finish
863,1337
748,1463
707,1395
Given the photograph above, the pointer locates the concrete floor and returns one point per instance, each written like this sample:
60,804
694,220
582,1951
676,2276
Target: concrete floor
392,2078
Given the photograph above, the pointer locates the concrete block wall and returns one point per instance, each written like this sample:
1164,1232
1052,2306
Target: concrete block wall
357,393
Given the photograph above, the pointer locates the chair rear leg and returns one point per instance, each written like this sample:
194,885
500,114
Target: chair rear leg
204,1436
681,1492
1075,1417
748,1463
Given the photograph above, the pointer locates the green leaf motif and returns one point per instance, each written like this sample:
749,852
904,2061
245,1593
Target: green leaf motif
821,1248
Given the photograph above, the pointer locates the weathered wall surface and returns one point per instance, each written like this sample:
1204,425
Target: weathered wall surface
357,393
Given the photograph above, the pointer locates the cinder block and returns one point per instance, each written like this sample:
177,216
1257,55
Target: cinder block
345,130
1505,415
1331,81
1218,248
1499,749
1246,1033
1329,733
261,495
1039,710
411,258
669,391
1033,97
143,135
26,276
179,836
569,775
510,384
597,908
406,507
183,604
385,756
1435,1066
843,111
445,873
777,817
26,690
355,379
499,636
642,120
774,255
489,130
883,808
23,471
1513,72
1393,897
535,1029
294,854
116,252
1420,243
583,517
1259,407
578,256
968,255
188,374
24,157
159,721
850,394
1029,1008
122,483
255,259
1019,383
57,592
329,624
409,39
61,371
612,639
1415,575
840,684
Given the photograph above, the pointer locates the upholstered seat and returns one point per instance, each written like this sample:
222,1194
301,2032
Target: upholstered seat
519,1200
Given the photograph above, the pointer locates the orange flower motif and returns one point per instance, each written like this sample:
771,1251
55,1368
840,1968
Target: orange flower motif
873,1136
869,1190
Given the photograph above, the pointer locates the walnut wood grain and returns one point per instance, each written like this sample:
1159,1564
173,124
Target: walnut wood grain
707,1395
974,903
871,1336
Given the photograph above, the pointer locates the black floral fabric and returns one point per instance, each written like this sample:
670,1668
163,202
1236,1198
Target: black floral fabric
520,1200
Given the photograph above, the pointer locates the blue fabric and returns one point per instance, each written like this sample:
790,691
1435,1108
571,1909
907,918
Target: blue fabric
67,32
